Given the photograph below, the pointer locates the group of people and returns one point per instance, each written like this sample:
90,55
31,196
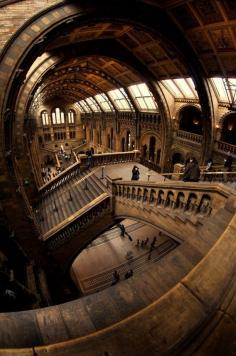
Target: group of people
192,171
116,276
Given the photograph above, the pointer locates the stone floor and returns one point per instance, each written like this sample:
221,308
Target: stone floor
111,250
124,171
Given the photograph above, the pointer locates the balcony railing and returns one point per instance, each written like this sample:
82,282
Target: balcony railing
225,147
189,136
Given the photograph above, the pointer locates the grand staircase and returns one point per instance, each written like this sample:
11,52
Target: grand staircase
162,307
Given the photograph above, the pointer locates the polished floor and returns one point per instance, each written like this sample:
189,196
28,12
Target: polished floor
112,251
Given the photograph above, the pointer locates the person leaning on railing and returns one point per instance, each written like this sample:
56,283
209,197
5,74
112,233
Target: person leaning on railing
192,171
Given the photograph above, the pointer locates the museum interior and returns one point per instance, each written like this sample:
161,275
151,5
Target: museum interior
118,177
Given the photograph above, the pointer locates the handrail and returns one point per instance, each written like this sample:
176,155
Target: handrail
197,186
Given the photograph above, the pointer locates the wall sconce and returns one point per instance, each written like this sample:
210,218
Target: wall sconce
195,121
217,126
173,117
230,127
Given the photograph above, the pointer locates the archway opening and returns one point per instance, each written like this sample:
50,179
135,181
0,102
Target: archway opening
190,119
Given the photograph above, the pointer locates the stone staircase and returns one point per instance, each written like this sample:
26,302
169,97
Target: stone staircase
69,198
167,284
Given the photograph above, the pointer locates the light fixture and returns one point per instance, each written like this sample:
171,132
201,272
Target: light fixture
195,121
230,127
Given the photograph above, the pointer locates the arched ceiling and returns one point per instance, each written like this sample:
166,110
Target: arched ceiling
184,39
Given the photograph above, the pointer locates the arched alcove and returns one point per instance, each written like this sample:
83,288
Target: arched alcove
190,119
228,133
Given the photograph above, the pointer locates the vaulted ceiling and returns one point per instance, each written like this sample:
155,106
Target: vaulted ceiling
171,39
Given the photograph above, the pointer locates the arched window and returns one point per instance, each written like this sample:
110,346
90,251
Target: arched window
58,117
71,117
45,118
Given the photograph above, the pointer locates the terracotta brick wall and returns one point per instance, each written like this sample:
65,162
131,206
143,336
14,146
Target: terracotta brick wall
13,16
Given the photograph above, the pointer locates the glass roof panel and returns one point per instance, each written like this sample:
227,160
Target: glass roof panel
93,104
184,87
120,100
143,97
84,106
104,102
220,89
172,88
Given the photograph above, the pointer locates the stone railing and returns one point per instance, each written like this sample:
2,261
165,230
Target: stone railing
194,302
194,198
97,160
189,136
217,175
225,147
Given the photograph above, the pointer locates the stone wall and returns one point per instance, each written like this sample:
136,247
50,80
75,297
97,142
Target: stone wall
15,15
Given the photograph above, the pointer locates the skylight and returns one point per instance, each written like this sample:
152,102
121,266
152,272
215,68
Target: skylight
104,102
143,97
120,100
181,88
93,104
225,89
84,106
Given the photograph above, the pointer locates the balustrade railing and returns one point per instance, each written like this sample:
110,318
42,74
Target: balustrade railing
189,136
82,164
225,147
215,176
195,198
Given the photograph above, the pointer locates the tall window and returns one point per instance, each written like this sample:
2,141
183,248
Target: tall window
58,117
45,118
71,117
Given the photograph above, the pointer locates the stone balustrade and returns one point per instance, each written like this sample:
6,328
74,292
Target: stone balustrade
191,198
189,136
225,147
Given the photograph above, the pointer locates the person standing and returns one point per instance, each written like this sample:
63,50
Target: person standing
228,162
